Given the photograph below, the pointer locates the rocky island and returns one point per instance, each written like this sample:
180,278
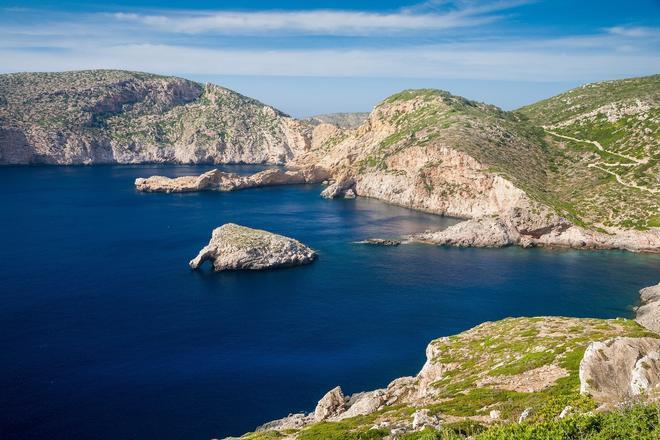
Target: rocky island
234,247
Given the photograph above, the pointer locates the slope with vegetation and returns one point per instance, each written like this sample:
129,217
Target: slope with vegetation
515,378
107,116
607,146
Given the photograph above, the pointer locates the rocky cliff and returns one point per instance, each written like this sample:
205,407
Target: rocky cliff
516,371
105,116
432,151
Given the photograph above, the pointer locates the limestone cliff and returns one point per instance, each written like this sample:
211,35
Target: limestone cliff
579,170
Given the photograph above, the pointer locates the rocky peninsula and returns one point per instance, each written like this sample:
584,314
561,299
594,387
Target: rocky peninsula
216,180
235,247
513,371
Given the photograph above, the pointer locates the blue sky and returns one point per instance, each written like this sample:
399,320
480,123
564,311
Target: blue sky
308,57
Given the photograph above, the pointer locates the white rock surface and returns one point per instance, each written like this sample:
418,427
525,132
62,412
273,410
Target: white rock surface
330,405
620,369
648,314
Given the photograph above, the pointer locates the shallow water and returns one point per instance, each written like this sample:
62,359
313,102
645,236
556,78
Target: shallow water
106,333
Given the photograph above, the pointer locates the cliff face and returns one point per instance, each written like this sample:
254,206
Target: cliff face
429,150
125,117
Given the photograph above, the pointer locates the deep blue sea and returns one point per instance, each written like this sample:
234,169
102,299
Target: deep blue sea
105,333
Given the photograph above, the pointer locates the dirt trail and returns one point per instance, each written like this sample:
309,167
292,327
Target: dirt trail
600,165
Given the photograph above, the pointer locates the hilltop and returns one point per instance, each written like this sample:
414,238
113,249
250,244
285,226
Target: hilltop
109,116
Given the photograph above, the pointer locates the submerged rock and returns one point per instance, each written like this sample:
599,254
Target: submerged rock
234,247
648,314
620,369
380,242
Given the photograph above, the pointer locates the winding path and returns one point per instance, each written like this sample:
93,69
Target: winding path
600,165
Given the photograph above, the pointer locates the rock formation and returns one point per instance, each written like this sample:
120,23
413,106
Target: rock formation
234,247
620,369
216,180
648,314
493,368
380,242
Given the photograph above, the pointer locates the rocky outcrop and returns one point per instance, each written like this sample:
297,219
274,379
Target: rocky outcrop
621,369
431,151
216,180
330,405
483,232
234,247
344,186
380,242
495,358
648,313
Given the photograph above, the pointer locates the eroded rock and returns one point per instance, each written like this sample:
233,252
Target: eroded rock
648,314
620,369
482,232
234,247
330,405
216,180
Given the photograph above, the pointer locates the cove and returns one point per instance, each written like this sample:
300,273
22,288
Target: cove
106,333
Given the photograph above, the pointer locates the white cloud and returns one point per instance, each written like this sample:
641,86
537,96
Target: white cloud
491,62
322,22
634,31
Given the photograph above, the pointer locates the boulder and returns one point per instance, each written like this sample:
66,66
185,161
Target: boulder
648,314
620,369
234,247
424,419
332,404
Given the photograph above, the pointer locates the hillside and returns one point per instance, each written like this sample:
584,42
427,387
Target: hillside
342,120
106,116
607,150
514,376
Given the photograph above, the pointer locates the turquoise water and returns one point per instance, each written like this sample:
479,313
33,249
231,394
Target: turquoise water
106,333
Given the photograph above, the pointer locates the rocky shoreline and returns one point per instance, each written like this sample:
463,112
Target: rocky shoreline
620,364
525,224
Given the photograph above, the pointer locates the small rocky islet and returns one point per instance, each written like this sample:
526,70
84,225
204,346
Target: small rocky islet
235,247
